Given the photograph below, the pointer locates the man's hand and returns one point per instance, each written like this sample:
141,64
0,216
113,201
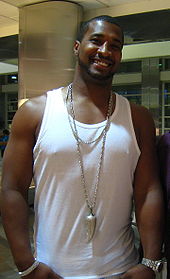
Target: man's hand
42,272
139,271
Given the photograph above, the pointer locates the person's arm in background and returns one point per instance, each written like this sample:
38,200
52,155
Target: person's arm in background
149,208
16,178
163,148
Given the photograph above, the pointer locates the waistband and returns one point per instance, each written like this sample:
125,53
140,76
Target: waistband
106,277
112,277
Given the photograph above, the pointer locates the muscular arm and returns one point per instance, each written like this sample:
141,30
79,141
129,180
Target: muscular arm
147,190
16,179
147,194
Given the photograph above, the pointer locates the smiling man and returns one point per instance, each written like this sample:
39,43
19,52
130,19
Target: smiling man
90,153
100,50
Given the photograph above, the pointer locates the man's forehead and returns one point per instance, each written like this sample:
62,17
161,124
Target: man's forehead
99,26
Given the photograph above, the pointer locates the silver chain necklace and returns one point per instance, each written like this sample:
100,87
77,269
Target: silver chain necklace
74,128
90,219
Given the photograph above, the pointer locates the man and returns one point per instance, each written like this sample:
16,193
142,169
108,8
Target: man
164,160
88,162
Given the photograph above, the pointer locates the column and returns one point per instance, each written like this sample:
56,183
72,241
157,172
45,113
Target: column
46,36
150,86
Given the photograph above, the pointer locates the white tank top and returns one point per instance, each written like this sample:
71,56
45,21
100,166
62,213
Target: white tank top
60,207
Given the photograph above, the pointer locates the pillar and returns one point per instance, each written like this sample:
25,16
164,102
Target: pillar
150,87
46,35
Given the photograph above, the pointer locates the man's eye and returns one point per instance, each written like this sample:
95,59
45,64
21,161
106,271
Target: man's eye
96,41
117,47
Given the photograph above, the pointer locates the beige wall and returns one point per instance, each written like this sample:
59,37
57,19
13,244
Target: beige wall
146,50
133,7
9,30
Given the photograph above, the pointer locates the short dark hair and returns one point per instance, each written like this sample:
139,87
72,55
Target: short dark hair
85,25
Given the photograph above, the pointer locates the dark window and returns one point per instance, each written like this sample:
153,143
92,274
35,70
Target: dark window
167,122
128,89
130,67
167,99
167,110
167,87
2,79
13,78
167,64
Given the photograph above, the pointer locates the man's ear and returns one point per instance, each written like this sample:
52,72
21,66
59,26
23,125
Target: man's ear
76,47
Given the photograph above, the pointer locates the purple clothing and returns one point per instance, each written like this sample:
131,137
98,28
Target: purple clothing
164,162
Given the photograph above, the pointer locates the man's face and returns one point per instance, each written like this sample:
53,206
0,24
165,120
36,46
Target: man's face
99,52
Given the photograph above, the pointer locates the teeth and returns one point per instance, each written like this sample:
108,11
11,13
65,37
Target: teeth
102,63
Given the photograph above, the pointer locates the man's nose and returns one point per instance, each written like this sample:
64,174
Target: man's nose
104,49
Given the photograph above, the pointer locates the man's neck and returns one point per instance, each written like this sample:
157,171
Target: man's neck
90,102
97,92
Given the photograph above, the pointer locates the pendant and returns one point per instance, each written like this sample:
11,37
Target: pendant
90,225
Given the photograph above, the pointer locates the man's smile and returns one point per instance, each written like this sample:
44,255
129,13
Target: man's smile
102,62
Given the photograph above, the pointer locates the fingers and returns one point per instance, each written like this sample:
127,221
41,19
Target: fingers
43,272
55,276
138,272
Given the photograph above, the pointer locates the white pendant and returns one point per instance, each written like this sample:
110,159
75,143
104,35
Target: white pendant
90,226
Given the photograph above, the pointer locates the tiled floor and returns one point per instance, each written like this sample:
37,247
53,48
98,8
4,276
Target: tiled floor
7,267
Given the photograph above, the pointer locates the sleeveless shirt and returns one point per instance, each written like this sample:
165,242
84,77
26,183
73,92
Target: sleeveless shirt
60,207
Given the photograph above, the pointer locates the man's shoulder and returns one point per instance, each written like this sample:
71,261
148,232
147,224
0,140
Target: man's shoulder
141,114
32,110
30,113
143,123
37,104
138,108
35,101
33,106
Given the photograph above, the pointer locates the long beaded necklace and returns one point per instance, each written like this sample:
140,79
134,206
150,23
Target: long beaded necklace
90,219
